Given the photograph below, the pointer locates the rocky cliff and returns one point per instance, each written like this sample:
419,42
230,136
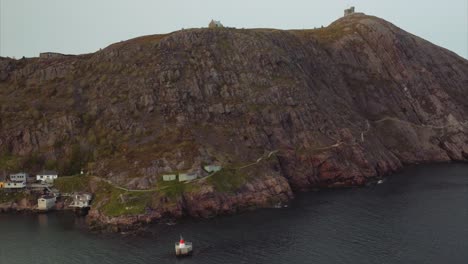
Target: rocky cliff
339,105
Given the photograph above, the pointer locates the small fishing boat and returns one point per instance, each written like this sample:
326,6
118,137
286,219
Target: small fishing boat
183,248
380,182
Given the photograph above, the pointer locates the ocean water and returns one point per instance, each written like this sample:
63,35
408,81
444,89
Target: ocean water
419,215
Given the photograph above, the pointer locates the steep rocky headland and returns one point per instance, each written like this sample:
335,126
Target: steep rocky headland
280,110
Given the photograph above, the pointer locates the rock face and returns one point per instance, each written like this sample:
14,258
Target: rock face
342,104
20,205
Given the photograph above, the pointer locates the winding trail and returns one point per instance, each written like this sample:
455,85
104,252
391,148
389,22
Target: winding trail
389,118
266,156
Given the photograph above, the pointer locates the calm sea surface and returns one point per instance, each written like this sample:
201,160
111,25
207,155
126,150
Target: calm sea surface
417,216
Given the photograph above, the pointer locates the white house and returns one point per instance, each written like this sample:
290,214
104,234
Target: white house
47,176
46,202
15,185
21,176
187,176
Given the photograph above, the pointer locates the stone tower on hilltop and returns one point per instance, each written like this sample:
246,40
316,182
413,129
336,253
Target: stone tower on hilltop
215,24
349,11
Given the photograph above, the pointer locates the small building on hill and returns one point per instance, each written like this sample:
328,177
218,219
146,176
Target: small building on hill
81,200
169,177
187,176
349,11
47,176
212,168
20,176
215,24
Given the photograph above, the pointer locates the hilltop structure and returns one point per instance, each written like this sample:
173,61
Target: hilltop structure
349,11
215,24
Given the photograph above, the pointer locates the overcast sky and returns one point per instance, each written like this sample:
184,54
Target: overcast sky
28,27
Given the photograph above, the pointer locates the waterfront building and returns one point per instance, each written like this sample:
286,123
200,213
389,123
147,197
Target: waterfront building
46,202
183,248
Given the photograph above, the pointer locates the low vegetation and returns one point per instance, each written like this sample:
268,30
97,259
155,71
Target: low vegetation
228,180
70,184
175,189
8,197
115,202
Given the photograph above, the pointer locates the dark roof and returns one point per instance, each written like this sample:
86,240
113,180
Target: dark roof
47,196
48,172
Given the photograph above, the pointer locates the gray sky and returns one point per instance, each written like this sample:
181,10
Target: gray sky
28,27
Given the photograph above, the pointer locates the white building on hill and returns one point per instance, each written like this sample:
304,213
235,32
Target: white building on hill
21,176
47,176
169,177
187,176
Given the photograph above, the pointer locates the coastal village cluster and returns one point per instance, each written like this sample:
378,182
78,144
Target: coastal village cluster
43,183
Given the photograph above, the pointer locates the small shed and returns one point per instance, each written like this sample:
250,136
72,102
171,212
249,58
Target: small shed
46,202
169,177
212,168
187,176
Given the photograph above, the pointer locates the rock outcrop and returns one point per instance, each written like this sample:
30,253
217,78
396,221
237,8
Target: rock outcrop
341,105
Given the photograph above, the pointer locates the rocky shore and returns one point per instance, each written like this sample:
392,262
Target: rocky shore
204,203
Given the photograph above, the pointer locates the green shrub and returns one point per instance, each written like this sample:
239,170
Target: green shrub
70,184
228,180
